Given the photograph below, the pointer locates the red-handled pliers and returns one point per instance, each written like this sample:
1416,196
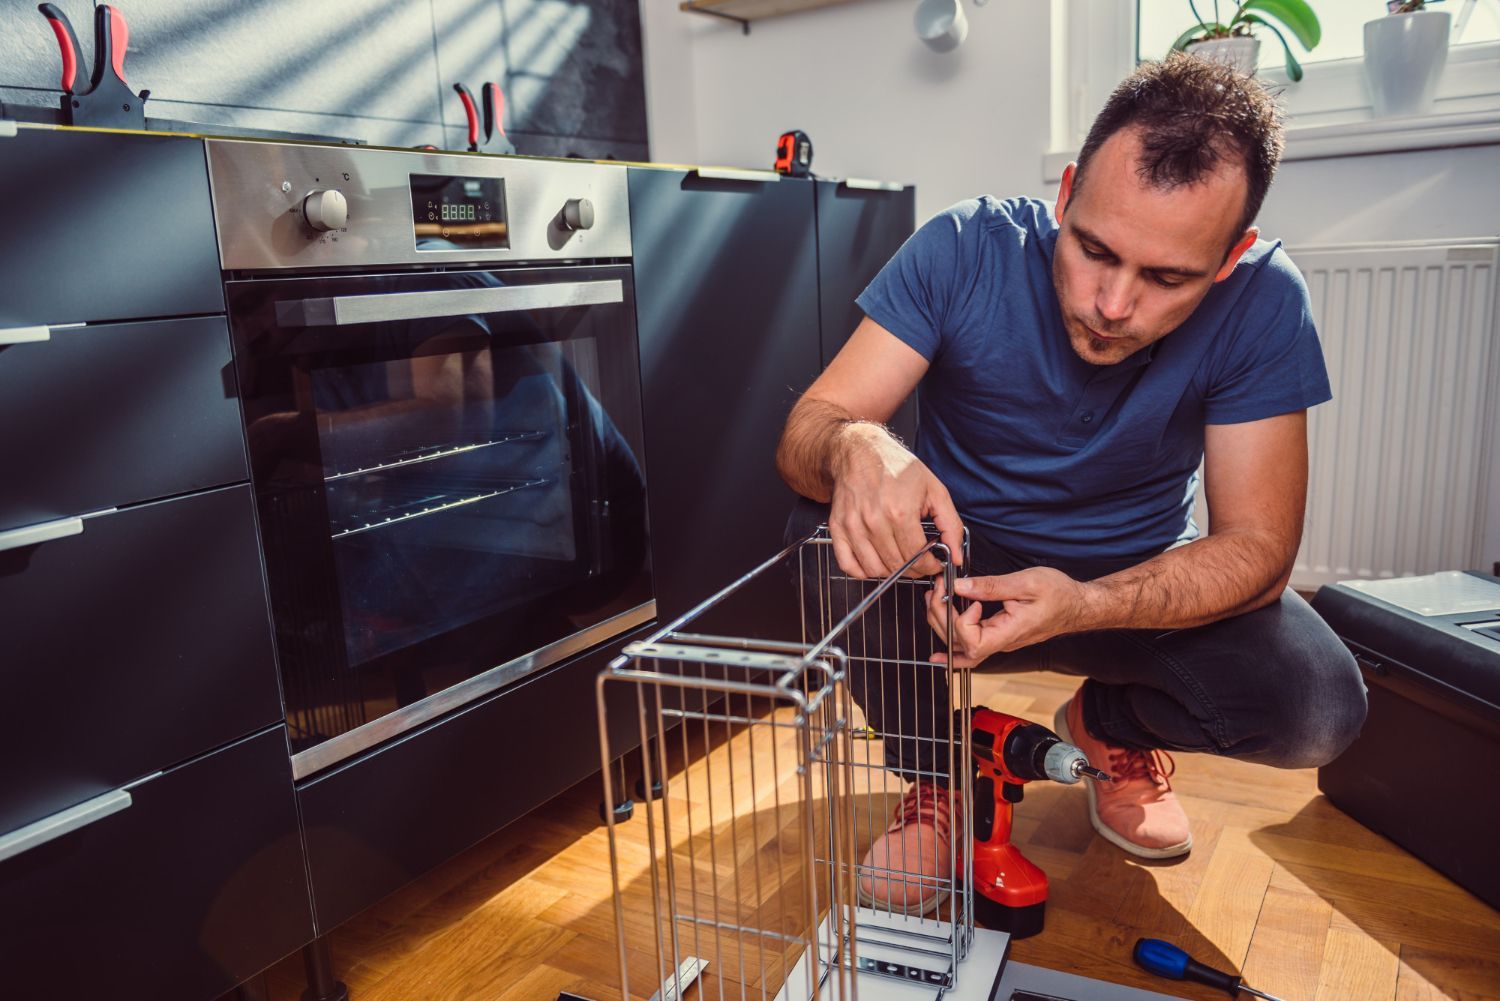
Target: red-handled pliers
495,139
108,100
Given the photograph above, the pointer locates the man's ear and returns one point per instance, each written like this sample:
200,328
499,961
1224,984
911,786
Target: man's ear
1237,251
1065,190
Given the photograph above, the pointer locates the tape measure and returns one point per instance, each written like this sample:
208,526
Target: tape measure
794,154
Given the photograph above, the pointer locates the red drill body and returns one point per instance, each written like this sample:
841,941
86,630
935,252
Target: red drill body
1010,891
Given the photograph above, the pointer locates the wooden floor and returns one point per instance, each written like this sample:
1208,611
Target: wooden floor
1280,885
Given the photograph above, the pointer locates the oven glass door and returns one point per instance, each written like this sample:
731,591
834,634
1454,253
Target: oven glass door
448,472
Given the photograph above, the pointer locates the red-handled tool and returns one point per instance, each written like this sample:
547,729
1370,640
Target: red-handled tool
494,138
1010,892
108,101
471,113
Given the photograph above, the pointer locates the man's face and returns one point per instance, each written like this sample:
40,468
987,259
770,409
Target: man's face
1133,261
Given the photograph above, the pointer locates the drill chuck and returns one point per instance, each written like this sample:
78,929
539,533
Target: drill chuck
1064,763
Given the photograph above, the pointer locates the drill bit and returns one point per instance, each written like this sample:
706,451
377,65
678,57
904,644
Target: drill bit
1096,774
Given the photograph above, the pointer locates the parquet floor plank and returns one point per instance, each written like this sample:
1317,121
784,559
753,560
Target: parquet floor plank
1287,946
1357,965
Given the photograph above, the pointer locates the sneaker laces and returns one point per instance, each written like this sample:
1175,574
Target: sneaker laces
924,803
1156,767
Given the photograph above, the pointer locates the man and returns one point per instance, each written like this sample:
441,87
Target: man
1076,364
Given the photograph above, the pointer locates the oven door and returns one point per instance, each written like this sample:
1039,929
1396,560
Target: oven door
447,468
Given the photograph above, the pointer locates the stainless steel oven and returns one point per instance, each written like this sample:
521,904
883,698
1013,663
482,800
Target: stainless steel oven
437,364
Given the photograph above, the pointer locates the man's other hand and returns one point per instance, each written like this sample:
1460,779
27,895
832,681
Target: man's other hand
1040,603
881,495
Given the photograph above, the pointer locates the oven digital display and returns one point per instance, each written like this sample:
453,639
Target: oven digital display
450,213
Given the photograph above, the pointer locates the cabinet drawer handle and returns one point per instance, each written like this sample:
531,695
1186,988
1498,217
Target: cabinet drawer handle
865,184
736,174
24,335
45,532
47,829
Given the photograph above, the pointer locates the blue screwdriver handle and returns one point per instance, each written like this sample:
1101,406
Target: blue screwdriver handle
1166,960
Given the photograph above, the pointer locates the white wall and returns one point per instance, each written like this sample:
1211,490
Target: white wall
876,102
1419,195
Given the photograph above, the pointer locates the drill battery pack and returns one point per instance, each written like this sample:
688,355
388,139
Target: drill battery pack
1420,773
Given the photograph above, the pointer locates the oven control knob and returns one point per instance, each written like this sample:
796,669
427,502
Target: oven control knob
326,209
578,213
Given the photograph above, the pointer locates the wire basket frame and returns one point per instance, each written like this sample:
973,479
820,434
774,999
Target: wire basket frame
750,878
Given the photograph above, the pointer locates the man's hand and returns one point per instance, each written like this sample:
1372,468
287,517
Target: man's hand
1040,603
881,494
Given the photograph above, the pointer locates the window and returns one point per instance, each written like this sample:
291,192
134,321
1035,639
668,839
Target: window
1161,21
1096,42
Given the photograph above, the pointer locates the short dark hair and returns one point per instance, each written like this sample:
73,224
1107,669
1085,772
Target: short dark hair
1192,113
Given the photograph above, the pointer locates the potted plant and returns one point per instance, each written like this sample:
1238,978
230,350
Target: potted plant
1405,52
1232,41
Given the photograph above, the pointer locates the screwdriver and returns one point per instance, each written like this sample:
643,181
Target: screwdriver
1166,960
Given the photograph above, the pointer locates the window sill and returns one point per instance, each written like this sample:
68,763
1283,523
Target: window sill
1370,135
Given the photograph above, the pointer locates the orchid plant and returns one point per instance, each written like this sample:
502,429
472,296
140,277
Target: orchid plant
1294,15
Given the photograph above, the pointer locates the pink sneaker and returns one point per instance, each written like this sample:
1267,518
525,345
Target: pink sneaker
1138,811
909,868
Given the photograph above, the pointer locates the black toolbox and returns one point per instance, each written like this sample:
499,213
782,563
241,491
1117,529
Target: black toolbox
1423,770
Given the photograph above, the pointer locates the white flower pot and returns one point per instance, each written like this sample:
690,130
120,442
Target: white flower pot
1404,59
1242,52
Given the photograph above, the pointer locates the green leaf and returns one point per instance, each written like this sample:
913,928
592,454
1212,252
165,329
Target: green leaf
1195,33
1293,68
1295,14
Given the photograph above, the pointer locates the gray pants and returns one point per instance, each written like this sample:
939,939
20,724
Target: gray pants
1275,686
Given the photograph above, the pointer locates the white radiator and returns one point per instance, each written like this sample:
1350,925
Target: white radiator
1404,473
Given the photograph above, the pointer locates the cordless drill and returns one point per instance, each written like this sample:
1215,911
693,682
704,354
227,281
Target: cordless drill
1010,892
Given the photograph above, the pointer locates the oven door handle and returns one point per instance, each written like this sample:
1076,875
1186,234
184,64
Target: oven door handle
344,310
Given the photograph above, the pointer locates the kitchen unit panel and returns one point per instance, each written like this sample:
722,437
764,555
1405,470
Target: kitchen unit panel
859,230
379,821
727,306
104,226
195,886
107,415
137,643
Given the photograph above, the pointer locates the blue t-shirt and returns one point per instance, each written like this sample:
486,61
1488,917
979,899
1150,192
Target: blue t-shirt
1046,454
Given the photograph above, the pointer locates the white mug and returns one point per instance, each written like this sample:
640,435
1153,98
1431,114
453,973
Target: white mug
941,24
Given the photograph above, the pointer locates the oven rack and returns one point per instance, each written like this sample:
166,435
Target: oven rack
429,453
430,503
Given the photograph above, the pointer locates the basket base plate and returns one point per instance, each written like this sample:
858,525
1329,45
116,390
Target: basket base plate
907,959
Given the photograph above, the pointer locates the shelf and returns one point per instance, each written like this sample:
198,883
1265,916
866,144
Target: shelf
429,503
744,11
427,455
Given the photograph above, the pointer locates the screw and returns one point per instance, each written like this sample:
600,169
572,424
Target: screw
286,186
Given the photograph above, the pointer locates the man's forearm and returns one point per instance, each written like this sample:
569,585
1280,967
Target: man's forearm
1214,578
812,445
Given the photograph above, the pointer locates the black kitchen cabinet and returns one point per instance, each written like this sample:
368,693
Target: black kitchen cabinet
726,275
149,840
193,887
136,644
105,226
109,414
859,229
